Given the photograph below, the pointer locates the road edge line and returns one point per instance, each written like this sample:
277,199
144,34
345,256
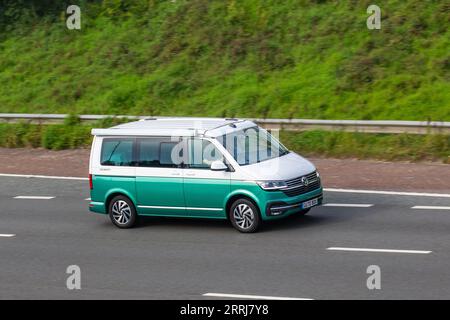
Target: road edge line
41,176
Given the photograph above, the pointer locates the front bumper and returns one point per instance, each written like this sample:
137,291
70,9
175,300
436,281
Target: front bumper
281,208
276,209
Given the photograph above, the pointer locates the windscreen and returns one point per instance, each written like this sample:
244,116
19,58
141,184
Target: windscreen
252,145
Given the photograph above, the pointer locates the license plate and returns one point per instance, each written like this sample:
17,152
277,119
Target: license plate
310,203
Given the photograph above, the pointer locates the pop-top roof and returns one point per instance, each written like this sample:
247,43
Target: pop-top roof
176,126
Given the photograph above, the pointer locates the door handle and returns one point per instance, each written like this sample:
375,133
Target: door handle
176,173
190,174
105,169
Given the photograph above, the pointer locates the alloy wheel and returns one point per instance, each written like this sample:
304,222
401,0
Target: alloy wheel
121,212
244,216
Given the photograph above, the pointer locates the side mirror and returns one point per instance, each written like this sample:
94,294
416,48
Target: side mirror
218,166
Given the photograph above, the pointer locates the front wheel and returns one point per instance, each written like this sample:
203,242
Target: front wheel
244,216
122,212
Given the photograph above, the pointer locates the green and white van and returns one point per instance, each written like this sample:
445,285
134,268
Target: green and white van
198,168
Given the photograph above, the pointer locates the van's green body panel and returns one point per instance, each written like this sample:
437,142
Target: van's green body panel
188,197
97,207
156,193
106,187
206,194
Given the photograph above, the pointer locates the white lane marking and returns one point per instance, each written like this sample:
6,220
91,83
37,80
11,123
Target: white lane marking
6,235
397,193
40,176
350,205
431,207
246,296
34,197
378,250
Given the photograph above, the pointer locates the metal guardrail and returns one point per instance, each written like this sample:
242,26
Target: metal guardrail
368,126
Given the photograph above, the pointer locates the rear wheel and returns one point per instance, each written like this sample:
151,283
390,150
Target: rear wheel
244,216
122,212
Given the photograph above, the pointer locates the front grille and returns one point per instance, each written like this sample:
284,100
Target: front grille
296,187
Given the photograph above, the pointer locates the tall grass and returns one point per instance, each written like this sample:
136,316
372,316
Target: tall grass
248,58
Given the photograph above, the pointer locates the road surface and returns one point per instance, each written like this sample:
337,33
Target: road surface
324,255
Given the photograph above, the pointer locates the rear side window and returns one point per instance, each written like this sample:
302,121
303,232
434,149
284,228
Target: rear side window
159,152
117,152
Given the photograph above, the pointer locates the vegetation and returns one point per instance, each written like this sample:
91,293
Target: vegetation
230,58
248,58
391,147
69,135
407,147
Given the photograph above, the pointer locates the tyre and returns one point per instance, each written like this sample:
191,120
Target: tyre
122,212
244,216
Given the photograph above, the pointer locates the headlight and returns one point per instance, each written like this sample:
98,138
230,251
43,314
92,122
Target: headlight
272,185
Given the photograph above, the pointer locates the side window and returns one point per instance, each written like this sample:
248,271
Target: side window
117,152
235,145
202,153
159,152
166,157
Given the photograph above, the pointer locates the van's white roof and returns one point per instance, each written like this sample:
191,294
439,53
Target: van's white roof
211,127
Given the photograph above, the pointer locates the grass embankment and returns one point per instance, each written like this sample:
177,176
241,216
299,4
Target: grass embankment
406,147
69,135
391,147
243,58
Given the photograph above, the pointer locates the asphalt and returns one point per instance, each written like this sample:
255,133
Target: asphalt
186,258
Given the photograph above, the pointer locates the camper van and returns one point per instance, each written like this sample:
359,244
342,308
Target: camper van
211,168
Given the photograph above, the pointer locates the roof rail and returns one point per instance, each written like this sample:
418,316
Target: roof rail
231,124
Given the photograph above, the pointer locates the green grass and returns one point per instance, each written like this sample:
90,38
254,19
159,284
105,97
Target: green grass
391,147
406,147
69,135
247,58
